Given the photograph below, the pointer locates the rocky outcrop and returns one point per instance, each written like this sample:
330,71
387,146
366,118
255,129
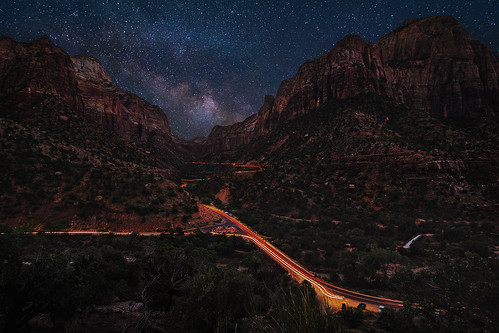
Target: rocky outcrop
236,135
89,68
225,137
239,134
430,64
121,111
29,72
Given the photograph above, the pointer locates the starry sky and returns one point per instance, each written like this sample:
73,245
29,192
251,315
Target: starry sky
211,62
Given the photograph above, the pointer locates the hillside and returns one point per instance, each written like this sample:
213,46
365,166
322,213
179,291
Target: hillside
370,156
345,187
31,72
61,170
431,64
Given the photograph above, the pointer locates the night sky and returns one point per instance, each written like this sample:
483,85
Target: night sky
211,62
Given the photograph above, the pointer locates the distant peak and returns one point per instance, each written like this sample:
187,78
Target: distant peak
44,39
351,41
433,26
90,68
6,42
433,20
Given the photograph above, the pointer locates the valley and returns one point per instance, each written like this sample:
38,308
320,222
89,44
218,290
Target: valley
365,148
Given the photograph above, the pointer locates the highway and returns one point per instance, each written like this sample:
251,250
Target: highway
208,228
332,295
255,166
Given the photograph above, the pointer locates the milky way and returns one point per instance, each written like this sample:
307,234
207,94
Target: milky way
212,62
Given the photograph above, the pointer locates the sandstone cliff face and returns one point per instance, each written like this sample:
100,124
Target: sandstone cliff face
121,111
29,72
239,134
225,137
342,73
430,64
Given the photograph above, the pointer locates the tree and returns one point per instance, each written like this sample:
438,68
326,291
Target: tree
299,310
39,283
213,300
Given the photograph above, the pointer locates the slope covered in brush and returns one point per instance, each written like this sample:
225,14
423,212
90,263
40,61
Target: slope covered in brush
371,157
62,170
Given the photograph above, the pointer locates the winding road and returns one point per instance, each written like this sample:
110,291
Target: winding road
333,295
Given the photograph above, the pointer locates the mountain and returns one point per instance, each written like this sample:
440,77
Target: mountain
123,112
429,64
29,72
342,189
61,170
78,152
368,157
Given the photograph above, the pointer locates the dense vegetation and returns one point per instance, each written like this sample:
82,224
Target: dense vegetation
345,186
370,156
176,283
60,169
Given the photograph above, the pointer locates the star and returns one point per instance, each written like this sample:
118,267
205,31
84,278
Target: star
208,63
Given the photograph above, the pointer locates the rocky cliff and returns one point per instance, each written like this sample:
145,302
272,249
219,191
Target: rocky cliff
429,64
236,135
29,72
121,111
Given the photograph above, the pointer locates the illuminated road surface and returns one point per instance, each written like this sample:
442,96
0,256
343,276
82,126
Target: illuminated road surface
229,164
332,294
207,228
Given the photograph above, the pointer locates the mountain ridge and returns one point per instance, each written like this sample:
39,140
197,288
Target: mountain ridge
367,158
34,71
26,75
428,63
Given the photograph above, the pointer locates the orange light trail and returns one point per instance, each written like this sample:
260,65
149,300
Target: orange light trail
229,164
325,288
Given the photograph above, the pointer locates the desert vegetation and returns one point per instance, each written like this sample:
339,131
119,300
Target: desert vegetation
347,186
172,283
61,170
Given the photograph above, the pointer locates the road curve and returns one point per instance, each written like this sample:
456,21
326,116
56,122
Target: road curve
334,295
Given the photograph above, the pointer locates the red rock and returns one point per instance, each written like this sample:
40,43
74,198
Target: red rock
239,134
430,64
29,72
121,111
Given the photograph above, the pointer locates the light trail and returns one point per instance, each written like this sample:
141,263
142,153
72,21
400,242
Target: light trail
229,164
327,289
290,268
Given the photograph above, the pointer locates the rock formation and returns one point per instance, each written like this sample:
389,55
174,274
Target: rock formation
231,136
31,71
430,64
121,111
